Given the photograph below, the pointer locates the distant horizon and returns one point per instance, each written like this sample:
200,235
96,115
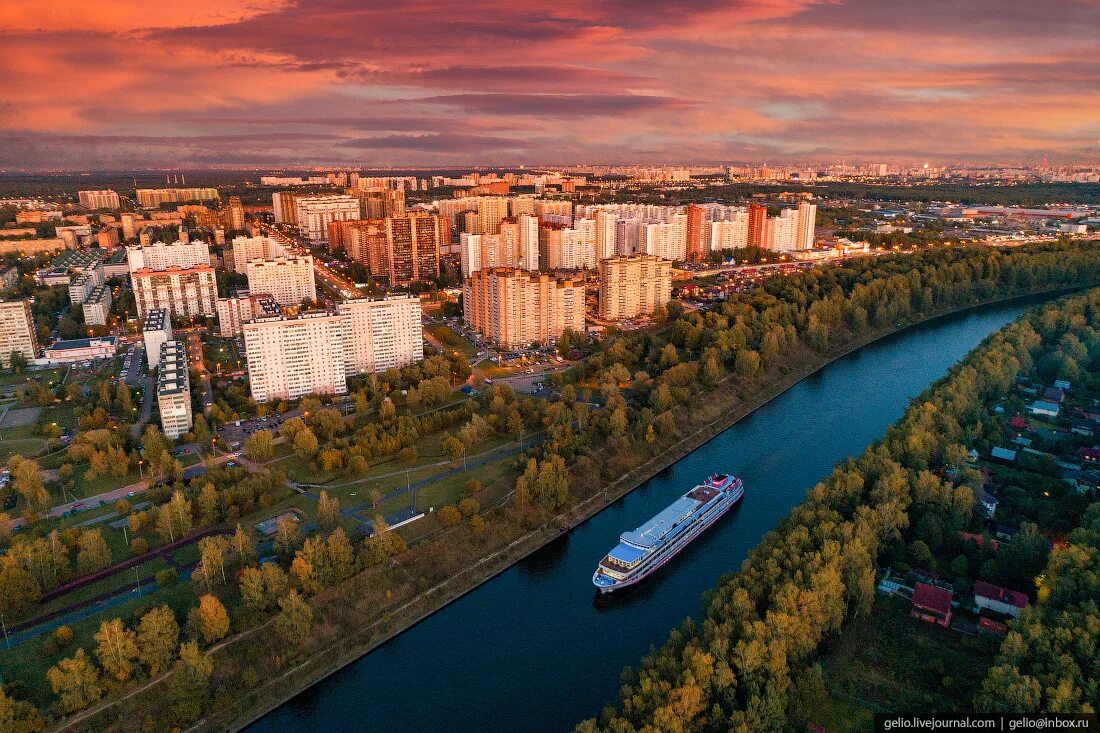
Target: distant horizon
123,84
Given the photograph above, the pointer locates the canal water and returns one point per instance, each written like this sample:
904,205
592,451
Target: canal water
534,650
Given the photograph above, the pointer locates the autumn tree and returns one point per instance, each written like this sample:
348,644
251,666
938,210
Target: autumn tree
213,621
75,681
328,510
190,683
260,446
116,649
157,636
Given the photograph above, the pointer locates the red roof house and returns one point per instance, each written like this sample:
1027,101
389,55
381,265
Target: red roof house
932,604
1018,422
996,598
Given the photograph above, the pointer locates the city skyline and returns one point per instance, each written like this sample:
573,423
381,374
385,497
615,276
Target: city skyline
123,85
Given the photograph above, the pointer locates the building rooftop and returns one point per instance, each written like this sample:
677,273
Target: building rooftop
932,598
983,589
172,374
81,343
156,320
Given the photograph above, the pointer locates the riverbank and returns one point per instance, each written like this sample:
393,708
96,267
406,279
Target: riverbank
325,659
311,671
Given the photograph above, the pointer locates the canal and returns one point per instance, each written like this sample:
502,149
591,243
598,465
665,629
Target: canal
533,649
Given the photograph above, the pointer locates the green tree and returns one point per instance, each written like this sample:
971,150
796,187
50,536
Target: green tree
305,444
190,683
260,446
328,510
19,716
295,618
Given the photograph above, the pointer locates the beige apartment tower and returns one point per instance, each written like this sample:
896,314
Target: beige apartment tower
634,285
16,331
513,307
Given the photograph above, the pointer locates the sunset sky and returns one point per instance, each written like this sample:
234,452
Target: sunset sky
129,83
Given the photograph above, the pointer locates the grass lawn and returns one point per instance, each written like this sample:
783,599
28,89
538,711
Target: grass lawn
450,339
486,368
100,484
124,579
20,440
896,663
9,378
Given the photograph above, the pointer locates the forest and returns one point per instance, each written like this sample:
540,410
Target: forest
749,662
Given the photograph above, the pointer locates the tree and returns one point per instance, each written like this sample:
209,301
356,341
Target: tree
208,505
27,482
75,681
19,716
157,636
190,684
407,455
93,554
449,516
19,590
174,518
212,557
295,618
453,448
116,649
469,507
287,536
356,466
328,510
244,549
260,446
305,444
212,618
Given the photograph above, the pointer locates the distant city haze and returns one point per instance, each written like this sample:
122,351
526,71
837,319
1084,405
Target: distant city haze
124,84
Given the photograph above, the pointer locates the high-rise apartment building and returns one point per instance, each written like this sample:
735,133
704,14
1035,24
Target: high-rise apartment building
413,242
151,198
177,277
633,286
246,249
605,233
293,356
758,218
807,220
156,329
174,390
234,213
489,212
381,334
105,199
16,331
242,307
732,233
513,307
289,280
363,240
315,213
284,204
695,247
517,245
97,306
667,239
780,232
558,211
379,203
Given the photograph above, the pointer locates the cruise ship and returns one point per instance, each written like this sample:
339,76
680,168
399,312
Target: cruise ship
650,546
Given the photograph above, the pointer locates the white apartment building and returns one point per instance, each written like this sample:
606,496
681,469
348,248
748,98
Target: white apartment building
517,245
174,390
732,233
85,282
293,356
185,293
780,232
606,222
284,204
633,286
668,239
289,280
156,329
489,212
380,334
16,331
807,221
97,306
315,213
246,249
160,256
105,199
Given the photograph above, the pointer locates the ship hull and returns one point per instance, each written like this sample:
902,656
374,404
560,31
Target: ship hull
690,536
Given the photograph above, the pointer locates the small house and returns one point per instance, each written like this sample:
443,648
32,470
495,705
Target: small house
987,502
932,604
1018,423
1002,455
1062,384
995,598
1053,394
1046,409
